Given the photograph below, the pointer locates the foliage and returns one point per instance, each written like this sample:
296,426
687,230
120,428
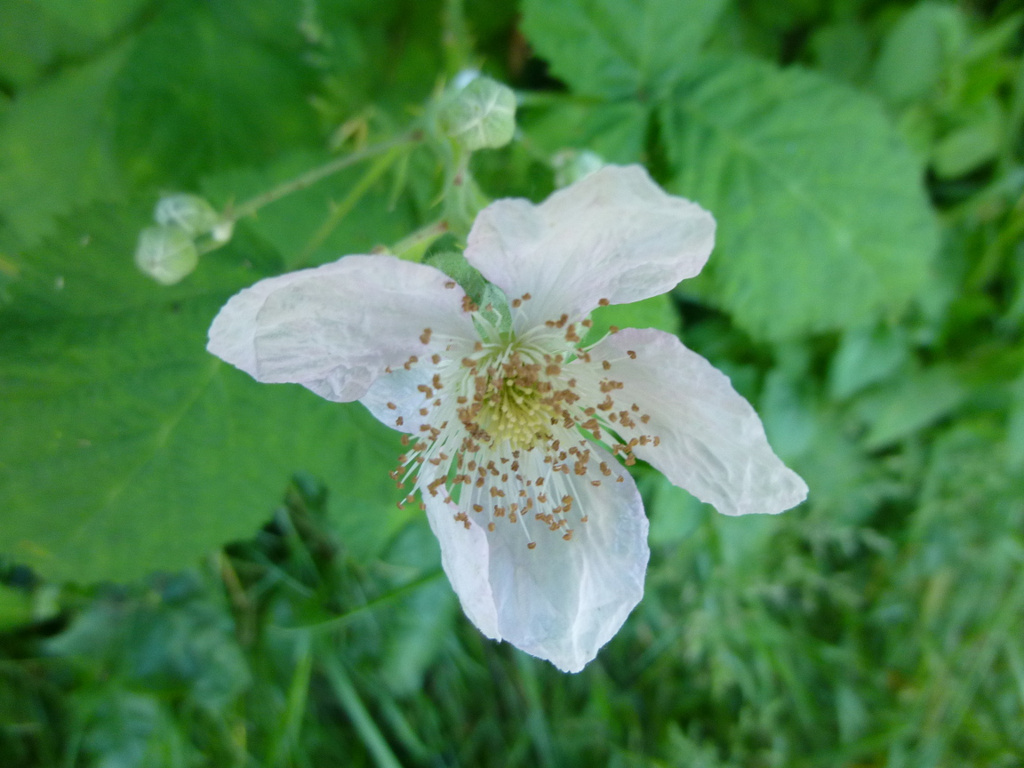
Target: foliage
865,162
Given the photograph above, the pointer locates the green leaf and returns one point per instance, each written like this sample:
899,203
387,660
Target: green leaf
674,513
129,448
197,95
37,34
15,607
917,400
823,220
656,312
172,637
418,633
58,148
788,415
916,51
842,50
615,49
95,20
188,94
865,358
86,269
378,55
614,131
131,730
844,485
1015,427
976,140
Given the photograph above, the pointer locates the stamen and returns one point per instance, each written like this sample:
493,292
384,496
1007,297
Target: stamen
507,435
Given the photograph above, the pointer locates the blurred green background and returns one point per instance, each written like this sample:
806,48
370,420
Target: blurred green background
198,570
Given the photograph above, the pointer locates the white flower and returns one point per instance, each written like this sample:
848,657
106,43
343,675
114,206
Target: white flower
517,434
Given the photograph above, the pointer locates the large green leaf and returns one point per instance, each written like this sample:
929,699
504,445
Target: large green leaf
188,94
615,49
37,34
58,147
127,447
823,219
197,95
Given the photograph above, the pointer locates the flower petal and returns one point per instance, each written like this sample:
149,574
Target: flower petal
398,398
711,442
393,398
465,556
336,328
613,235
562,600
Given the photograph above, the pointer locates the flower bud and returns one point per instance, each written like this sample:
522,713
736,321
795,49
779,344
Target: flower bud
190,213
222,231
166,253
481,115
571,165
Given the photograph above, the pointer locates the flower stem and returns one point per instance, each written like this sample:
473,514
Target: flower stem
413,246
312,176
355,194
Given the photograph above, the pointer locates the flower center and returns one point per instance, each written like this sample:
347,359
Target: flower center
512,426
511,406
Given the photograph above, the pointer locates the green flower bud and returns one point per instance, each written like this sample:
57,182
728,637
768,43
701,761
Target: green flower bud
481,115
571,165
166,253
191,213
223,230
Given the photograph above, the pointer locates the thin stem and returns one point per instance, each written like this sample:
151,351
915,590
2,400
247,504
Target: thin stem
356,193
412,247
307,179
